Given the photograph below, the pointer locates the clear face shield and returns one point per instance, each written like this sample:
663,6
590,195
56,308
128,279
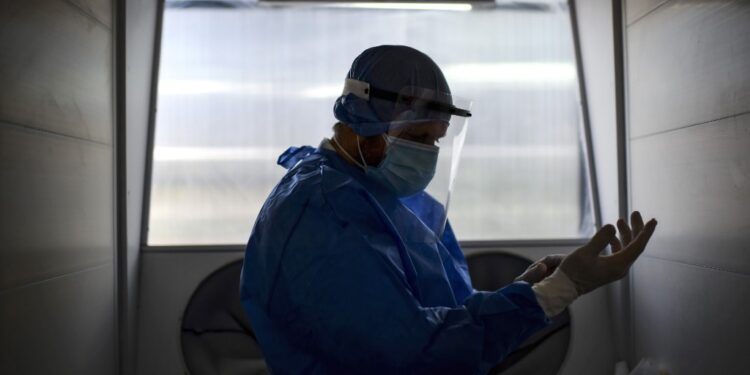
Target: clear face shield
423,147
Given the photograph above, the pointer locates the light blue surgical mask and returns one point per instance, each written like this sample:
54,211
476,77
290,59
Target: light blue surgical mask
408,167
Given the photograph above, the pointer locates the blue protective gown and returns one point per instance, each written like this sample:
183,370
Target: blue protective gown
342,277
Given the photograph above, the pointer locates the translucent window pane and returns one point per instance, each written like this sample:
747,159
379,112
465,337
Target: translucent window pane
238,86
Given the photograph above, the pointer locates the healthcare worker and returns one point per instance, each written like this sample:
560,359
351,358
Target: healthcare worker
352,266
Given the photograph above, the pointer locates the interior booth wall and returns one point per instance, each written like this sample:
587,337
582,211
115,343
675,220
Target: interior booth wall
169,275
597,59
140,36
57,197
688,84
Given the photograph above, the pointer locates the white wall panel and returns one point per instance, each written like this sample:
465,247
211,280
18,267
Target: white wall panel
696,182
60,326
689,121
689,319
55,69
688,64
57,295
636,9
57,205
99,9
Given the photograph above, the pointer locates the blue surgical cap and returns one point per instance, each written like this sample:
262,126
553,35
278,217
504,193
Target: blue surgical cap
389,68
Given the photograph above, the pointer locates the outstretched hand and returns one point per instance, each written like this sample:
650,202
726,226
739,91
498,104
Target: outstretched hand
590,270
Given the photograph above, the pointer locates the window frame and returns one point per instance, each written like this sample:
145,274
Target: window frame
589,163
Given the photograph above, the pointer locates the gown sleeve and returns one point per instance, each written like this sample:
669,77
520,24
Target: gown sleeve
342,294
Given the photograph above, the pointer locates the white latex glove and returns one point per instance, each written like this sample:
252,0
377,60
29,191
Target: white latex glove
585,270
541,269
555,293
589,270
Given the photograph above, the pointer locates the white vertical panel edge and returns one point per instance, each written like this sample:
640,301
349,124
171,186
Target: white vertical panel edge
140,36
597,55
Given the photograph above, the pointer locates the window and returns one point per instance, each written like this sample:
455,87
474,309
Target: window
238,86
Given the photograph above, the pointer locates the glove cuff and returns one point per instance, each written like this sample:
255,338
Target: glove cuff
555,293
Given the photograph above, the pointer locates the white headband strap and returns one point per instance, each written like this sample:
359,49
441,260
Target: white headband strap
358,88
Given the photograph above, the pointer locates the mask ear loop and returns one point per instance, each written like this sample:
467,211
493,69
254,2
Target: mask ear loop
333,139
359,149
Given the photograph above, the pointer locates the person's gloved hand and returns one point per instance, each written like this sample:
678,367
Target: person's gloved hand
540,269
588,270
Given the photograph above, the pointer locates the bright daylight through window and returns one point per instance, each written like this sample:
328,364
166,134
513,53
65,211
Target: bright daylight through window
237,86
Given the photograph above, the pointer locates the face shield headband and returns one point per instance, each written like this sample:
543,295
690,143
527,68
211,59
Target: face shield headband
427,101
